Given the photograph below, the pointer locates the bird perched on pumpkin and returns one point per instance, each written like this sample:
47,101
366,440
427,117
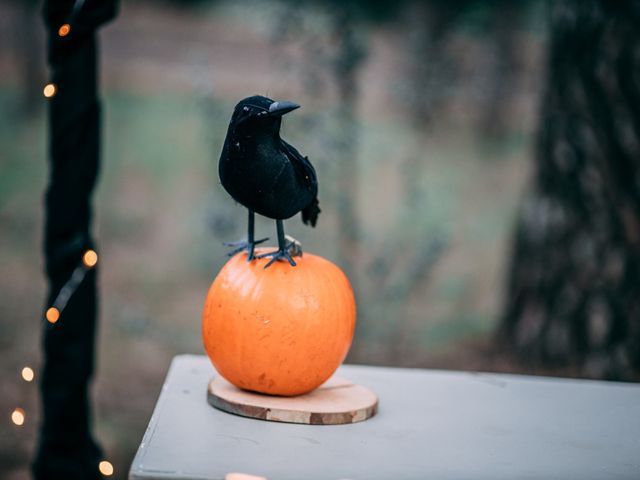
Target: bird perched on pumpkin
266,174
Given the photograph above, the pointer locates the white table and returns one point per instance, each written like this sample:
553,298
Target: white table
431,425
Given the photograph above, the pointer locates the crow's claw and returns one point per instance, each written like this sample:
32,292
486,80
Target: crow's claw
244,245
279,255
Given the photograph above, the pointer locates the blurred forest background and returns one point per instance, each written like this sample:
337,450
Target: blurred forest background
420,118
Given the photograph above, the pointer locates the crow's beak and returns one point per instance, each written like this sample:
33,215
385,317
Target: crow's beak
280,108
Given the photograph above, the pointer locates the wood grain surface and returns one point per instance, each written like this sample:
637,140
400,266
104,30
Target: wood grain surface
337,401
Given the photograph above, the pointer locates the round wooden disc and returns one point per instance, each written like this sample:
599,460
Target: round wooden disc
335,402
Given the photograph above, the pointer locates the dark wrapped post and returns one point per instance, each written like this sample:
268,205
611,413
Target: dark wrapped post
66,447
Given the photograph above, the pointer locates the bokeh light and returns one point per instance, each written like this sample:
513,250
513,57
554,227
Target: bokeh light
64,30
49,90
27,374
105,468
52,315
90,258
18,416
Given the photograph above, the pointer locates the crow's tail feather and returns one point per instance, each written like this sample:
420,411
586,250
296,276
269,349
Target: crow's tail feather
310,213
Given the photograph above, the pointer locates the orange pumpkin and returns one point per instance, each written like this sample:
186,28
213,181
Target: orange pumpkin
281,330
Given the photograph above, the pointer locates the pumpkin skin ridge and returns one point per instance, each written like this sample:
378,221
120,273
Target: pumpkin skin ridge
309,322
346,292
247,279
334,348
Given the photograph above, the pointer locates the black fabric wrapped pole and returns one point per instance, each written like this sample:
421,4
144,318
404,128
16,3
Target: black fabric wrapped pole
66,447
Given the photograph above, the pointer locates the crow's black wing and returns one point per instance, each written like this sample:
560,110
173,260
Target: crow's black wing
302,166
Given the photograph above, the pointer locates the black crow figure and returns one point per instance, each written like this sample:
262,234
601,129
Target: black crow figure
266,174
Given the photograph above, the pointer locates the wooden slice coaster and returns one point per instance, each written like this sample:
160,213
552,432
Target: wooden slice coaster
335,402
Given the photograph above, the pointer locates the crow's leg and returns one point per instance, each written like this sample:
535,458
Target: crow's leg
283,248
249,244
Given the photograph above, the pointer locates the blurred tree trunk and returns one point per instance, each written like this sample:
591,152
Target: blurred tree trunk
573,296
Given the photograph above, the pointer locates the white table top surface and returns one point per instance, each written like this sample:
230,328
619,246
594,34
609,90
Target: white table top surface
431,425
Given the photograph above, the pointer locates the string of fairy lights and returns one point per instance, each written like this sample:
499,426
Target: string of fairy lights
54,313
50,89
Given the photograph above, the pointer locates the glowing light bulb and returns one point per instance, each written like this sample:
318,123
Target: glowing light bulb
64,30
90,258
28,374
105,468
50,90
17,416
52,315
